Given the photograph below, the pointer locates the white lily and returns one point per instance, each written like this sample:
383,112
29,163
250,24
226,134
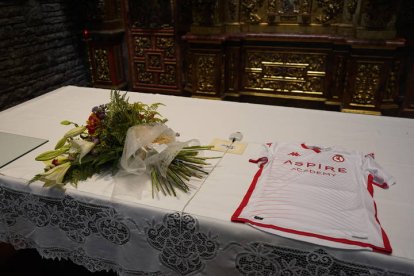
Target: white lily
82,147
55,175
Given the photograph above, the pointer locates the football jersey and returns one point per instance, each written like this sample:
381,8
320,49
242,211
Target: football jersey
316,194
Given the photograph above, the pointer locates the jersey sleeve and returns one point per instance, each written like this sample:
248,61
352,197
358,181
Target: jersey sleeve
377,175
265,154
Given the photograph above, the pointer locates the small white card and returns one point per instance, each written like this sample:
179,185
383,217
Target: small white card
228,146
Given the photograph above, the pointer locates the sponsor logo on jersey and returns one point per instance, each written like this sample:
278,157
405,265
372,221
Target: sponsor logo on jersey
318,166
315,168
338,158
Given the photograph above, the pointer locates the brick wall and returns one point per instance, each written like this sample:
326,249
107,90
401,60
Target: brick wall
41,48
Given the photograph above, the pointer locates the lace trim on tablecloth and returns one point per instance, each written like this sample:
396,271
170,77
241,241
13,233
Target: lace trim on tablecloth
77,219
267,259
182,247
77,256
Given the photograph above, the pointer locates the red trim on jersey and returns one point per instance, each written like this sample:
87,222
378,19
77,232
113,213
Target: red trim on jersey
371,182
246,197
372,155
235,218
370,189
261,161
383,185
385,249
315,149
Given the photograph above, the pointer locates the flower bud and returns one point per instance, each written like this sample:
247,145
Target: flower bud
75,131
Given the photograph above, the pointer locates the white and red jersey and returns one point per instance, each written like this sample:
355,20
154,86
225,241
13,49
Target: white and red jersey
315,194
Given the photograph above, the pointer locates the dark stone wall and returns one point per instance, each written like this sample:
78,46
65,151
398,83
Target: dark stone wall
41,48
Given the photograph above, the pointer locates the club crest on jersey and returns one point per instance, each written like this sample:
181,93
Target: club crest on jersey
338,158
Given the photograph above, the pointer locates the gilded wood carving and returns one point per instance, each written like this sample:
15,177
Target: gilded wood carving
286,72
366,84
102,64
206,74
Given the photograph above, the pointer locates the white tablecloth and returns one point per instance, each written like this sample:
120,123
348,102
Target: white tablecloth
192,233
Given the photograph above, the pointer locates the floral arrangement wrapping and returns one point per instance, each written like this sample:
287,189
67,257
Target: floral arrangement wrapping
123,138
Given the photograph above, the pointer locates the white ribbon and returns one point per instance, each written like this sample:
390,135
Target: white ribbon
140,154
137,141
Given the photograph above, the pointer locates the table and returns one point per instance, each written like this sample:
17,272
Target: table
192,234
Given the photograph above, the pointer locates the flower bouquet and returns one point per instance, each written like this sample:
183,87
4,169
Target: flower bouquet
123,138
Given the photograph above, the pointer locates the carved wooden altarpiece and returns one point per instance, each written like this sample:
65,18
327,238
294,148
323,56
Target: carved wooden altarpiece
153,37
341,55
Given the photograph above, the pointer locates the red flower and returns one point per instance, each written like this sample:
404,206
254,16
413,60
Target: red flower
92,123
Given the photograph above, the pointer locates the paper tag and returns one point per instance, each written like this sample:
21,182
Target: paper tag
226,145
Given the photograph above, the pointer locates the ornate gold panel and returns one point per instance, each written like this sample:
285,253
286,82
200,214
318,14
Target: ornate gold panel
366,84
141,43
155,59
205,70
102,64
170,75
167,45
361,18
286,72
143,77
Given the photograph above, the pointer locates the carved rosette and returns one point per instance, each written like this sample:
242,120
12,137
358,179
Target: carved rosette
154,61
